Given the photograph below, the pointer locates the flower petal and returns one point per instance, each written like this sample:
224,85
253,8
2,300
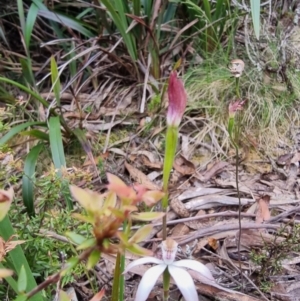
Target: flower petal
148,281
177,100
196,266
184,282
142,261
169,250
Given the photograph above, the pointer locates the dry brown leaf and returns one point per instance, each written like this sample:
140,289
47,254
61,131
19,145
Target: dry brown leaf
180,230
211,172
263,212
184,166
7,246
210,201
200,224
179,208
154,165
141,178
251,238
213,243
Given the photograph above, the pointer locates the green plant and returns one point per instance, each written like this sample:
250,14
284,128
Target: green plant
16,259
214,17
270,255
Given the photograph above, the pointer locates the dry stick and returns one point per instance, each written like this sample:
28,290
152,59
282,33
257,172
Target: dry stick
223,228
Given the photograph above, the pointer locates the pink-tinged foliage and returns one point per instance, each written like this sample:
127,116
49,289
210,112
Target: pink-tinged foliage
236,106
177,100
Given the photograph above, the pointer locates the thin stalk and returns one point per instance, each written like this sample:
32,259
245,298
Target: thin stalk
171,144
122,268
170,151
166,284
237,82
237,87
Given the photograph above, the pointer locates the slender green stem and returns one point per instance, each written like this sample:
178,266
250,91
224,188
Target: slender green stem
122,268
170,151
237,87
166,284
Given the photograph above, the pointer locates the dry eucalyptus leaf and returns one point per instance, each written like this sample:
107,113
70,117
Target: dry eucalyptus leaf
179,208
184,166
180,230
140,177
263,212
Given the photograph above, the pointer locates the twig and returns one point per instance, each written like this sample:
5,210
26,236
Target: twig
55,277
223,228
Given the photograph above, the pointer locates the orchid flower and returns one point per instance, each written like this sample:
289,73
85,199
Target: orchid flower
176,269
177,100
236,67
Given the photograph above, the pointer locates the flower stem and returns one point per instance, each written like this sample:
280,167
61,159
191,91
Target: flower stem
237,87
166,284
170,150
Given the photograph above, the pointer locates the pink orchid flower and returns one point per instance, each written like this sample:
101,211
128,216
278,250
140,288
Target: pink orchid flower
177,100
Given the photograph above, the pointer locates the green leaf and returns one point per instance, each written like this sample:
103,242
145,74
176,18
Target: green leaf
56,144
22,280
137,250
76,238
17,129
55,80
27,90
141,234
27,71
21,14
30,20
63,296
65,21
255,12
28,178
147,216
93,259
10,280
18,259
87,244
21,298
37,134
116,281
118,15
71,263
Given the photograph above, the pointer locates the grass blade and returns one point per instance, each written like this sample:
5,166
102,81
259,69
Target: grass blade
30,21
117,13
18,258
37,134
28,178
55,80
21,14
27,71
56,144
10,280
17,129
63,20
27,90
255,12
58,157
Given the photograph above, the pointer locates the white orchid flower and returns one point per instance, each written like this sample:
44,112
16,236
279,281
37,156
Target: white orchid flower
176,269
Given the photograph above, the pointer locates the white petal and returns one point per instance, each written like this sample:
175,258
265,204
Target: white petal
148,281
184,282
196,266
142,261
